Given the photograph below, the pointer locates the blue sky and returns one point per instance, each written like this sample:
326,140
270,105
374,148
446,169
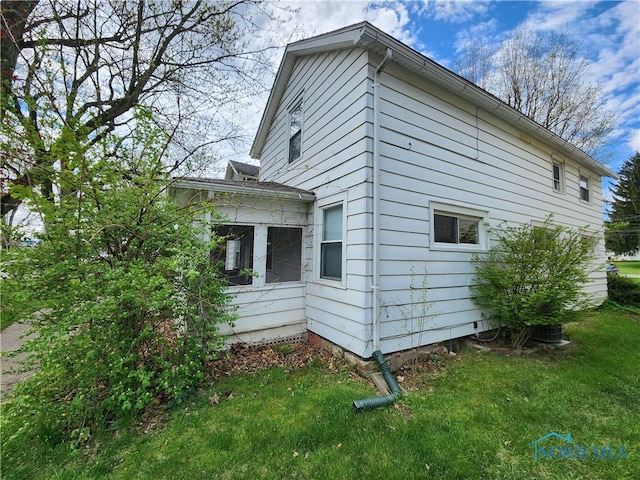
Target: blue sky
608,31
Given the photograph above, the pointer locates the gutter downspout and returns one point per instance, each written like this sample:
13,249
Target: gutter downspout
382,400
375,283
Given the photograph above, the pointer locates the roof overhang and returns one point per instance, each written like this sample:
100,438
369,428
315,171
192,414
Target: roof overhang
366,36
248,188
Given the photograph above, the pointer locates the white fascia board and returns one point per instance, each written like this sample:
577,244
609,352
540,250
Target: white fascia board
244,190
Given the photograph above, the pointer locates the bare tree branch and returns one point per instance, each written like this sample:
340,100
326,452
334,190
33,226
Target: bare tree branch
83,66
544,77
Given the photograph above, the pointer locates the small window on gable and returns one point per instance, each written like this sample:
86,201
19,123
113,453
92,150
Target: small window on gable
558,177
295,132
584,188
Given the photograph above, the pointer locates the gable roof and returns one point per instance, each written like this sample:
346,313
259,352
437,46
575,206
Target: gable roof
366,36
243,169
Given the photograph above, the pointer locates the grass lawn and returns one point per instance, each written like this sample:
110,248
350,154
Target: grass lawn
630,267
476,418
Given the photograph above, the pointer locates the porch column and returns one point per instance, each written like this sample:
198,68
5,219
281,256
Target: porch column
260,254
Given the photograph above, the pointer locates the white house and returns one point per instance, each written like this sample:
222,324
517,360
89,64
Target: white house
381,173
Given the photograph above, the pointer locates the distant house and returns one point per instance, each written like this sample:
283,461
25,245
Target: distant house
381,174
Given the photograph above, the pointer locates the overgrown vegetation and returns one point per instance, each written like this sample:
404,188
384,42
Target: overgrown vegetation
623,290
132,298
474,418
533,276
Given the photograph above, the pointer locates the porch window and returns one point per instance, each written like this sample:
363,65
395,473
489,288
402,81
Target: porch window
284,254
584,188
234,257
295,133
331,244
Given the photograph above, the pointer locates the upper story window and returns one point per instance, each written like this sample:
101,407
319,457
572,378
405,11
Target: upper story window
584,188
331,243
558,177
295,132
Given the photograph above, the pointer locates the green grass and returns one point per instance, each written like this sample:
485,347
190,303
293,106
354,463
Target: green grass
629,267
476,419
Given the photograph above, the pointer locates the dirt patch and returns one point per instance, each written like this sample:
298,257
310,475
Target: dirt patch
531,349
251,358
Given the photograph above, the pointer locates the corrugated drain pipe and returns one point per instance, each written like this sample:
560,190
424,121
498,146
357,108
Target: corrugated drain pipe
381,400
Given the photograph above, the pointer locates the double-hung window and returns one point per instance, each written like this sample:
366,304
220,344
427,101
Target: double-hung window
584,188
331,243
558,177
295,132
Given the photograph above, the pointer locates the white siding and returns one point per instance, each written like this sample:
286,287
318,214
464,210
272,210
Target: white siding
265,313
435,148
335,145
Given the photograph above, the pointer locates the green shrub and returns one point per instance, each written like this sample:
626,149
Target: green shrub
532,276
623,290
133,298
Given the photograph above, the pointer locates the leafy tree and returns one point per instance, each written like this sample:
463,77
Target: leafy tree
622,232
133,298
543,76
533,276
77,69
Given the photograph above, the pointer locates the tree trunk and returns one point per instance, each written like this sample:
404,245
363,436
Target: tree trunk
14,20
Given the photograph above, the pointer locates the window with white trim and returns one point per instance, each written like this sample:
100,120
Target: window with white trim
295,132
457,227
558,177
331,243
584,188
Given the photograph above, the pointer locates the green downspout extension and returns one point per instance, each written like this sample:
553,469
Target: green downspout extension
382,400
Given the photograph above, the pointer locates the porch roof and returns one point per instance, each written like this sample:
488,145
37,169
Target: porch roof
250,188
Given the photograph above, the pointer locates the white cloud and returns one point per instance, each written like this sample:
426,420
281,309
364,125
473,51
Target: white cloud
480,30
634,142
393,18
560,15
455,11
